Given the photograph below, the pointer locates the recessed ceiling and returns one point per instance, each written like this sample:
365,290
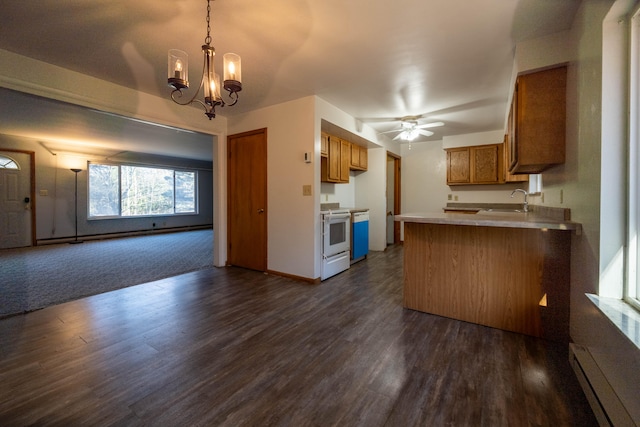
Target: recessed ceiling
450,60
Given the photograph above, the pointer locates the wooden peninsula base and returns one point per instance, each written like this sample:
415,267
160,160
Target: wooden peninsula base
516,279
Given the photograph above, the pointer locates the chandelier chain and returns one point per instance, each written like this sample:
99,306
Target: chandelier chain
207,39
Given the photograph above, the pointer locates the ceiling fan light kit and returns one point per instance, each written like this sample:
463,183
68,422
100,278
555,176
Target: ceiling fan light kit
410,129
178,74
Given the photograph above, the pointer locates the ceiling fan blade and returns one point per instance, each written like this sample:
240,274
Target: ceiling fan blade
425,132
389,131
430,125
398,136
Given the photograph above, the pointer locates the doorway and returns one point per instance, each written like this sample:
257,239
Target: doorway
393,198
17,219
247,200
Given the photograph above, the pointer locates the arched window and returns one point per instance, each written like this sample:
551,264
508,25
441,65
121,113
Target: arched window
7,163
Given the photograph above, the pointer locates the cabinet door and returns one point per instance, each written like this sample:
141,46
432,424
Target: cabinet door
540,121
355,156
324,144
486,162
364,158
345,160
458,165
334,159
359,158
508,176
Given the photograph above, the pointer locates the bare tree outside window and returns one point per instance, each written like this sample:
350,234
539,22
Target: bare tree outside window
127,191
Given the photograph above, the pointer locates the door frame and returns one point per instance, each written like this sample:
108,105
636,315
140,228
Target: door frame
32,187
397,188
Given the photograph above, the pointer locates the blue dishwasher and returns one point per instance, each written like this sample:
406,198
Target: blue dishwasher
359,235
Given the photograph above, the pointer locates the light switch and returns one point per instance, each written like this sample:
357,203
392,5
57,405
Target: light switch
306,190
44,192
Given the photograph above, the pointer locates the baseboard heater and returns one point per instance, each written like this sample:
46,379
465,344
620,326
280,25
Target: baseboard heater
606,406
132,233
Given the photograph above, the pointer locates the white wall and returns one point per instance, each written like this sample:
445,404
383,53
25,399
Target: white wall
424,176
291,216
473,139
371,193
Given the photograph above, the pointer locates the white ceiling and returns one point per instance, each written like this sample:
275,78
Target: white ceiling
449,60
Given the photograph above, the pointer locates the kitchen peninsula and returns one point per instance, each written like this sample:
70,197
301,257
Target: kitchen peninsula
508,270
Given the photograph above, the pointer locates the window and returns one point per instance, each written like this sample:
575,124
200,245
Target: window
7,163
130,191
632,286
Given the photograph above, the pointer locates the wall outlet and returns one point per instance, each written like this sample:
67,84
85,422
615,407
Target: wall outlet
449,196
455,198
306,190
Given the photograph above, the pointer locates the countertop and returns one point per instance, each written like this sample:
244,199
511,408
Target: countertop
493,219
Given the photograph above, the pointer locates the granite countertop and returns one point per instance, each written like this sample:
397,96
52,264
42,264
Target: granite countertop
353,210
487,218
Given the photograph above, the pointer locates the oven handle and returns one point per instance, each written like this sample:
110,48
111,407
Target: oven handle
341,215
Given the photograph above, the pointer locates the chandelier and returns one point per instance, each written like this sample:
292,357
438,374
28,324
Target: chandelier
178,73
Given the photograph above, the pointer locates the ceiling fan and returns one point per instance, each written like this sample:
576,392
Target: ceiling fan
410,129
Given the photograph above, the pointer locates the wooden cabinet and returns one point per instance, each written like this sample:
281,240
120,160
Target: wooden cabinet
335,166
508,176
492,290
345,160
359,158
338,157
324,144
482,164
487,164
458,166
538,111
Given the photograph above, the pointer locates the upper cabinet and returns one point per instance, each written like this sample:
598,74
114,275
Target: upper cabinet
324,144
332,168
338,157
536,132
359,158
458,166
481,164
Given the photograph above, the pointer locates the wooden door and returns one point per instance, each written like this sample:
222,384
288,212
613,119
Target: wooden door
16,199
247,200
394,187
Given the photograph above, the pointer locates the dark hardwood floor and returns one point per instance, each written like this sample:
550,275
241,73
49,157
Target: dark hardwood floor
238,348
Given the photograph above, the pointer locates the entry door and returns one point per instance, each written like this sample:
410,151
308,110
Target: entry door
247,195
15,199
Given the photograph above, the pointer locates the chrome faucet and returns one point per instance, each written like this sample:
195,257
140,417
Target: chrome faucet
525,205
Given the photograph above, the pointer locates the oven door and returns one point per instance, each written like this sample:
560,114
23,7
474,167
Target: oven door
336,233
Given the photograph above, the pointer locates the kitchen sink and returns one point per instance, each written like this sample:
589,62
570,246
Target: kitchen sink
503,210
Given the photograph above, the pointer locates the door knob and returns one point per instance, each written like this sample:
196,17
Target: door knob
260,210
27,200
